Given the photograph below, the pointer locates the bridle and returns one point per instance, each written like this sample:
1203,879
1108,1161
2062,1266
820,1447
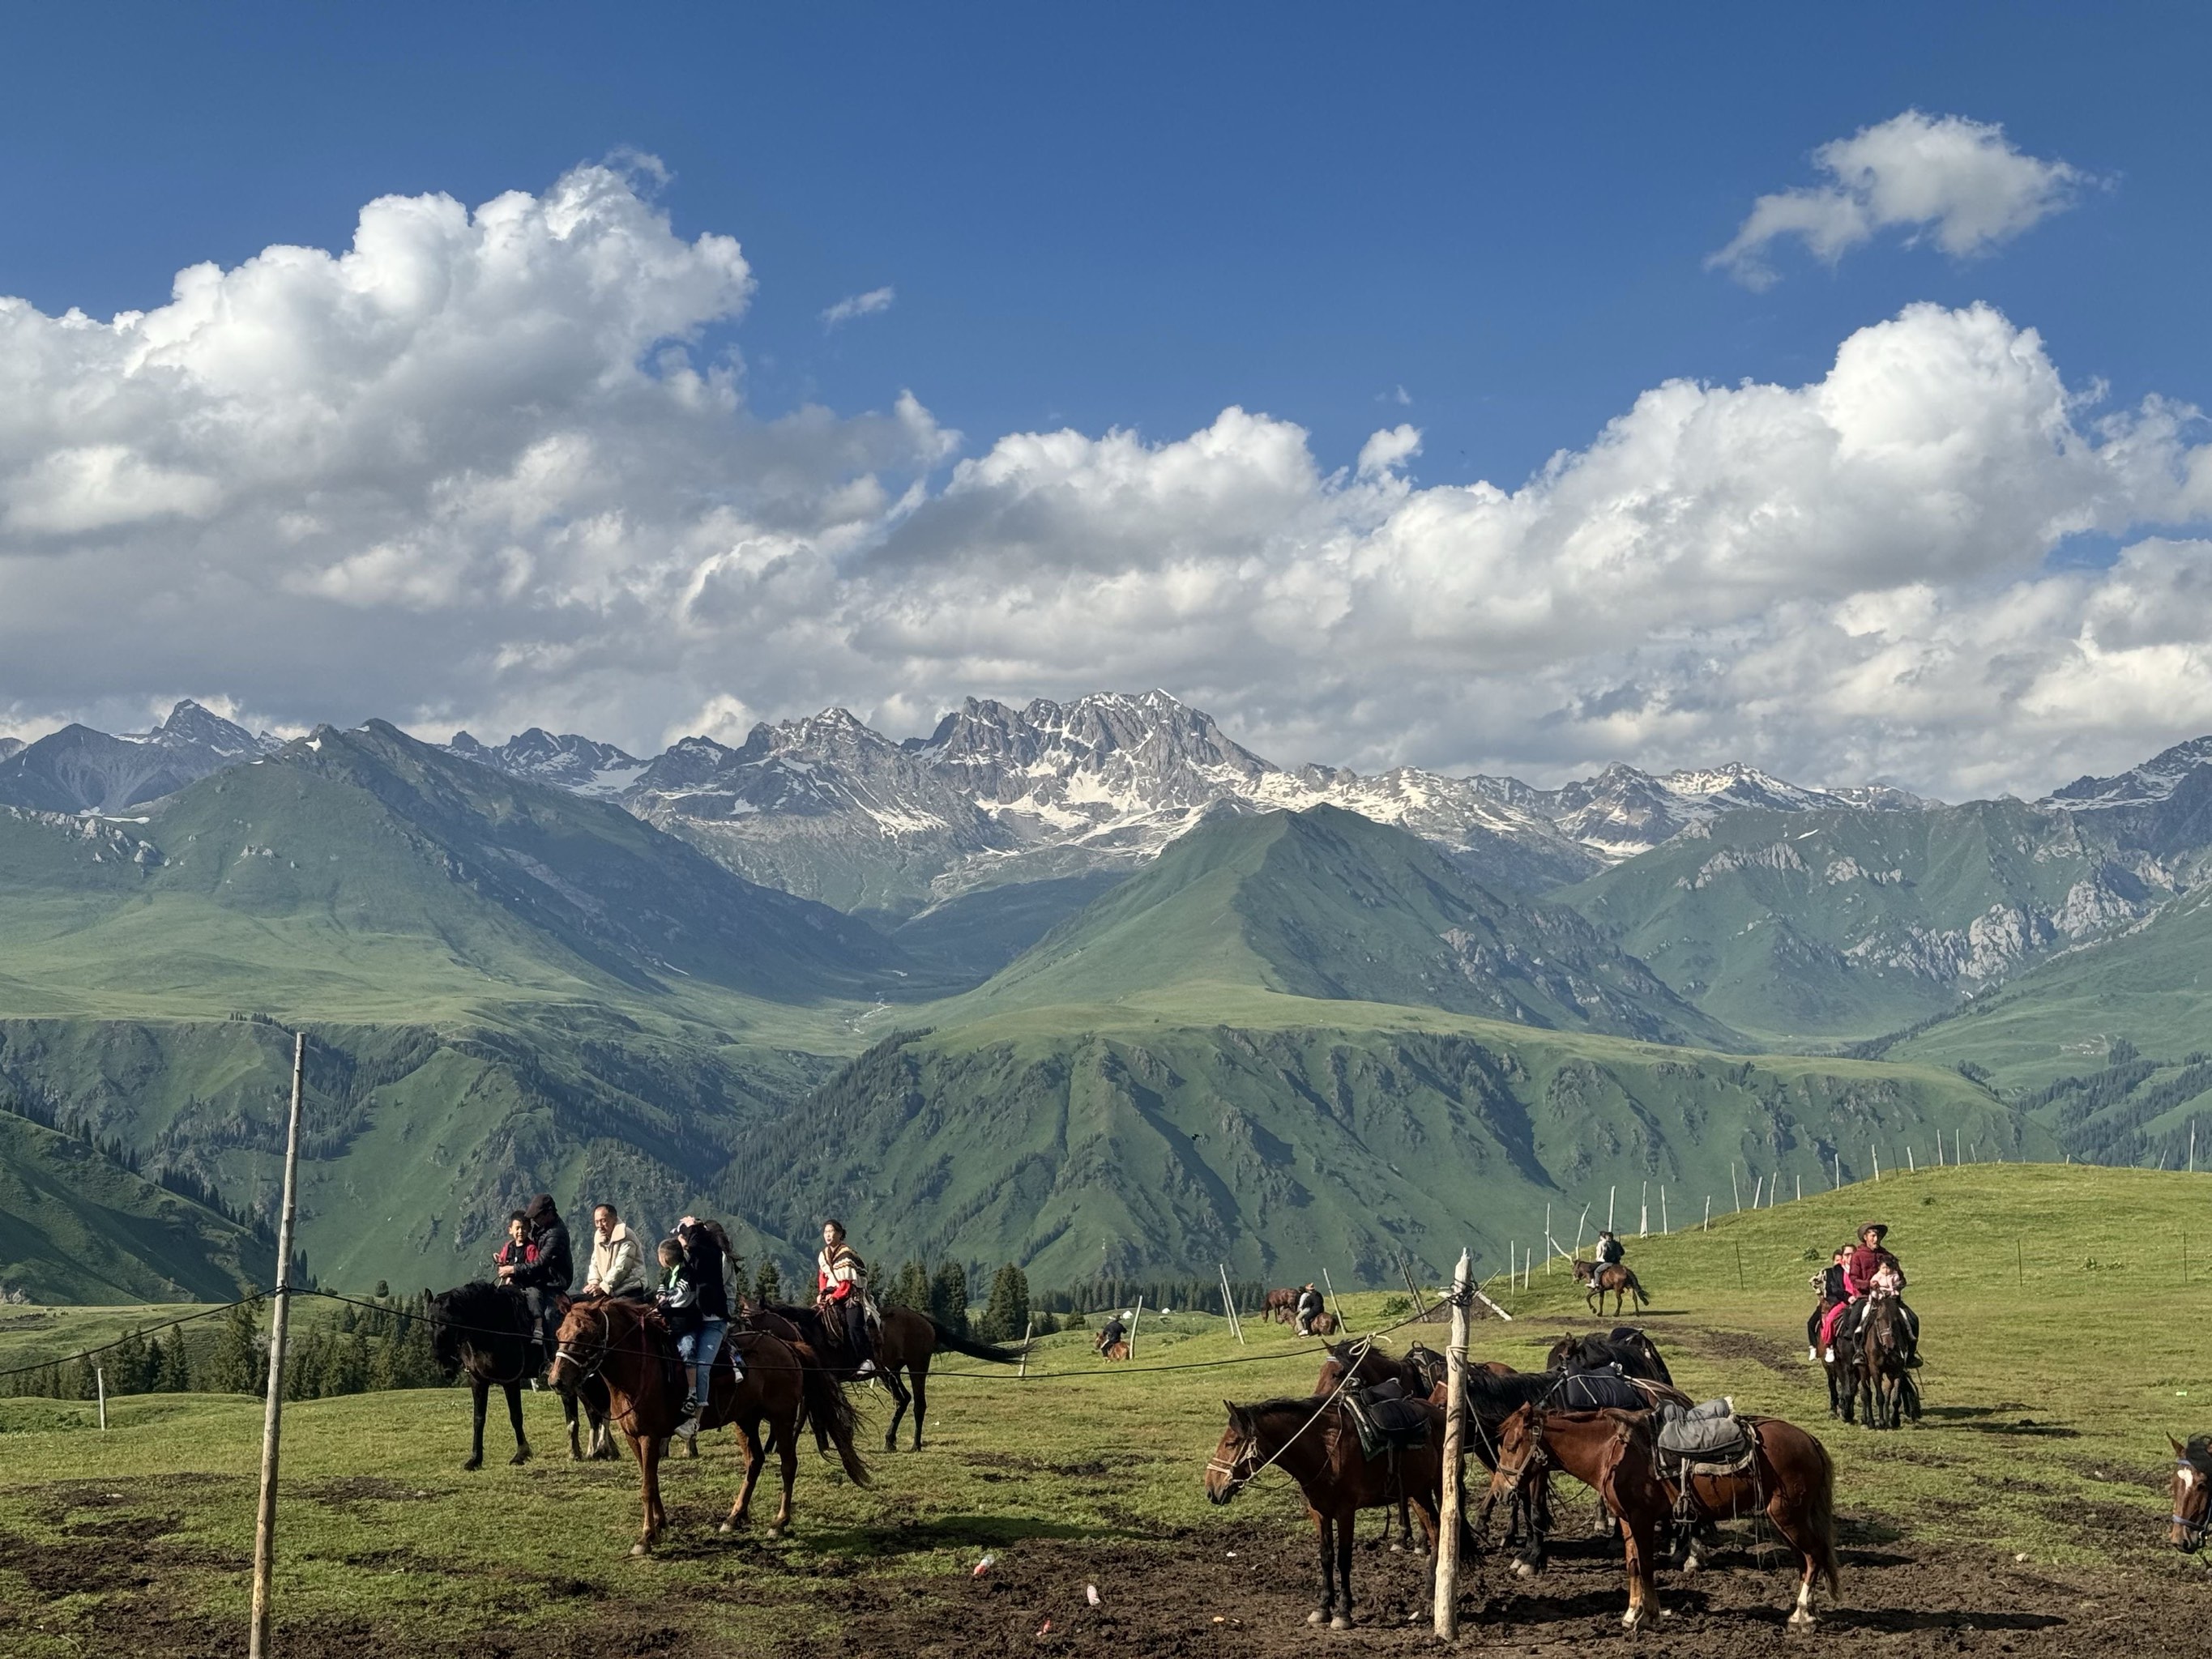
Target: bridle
2192,1532
1239,1476
1243,1470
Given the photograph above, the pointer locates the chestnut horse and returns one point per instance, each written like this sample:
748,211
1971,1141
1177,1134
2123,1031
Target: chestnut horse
1791,1479
1617,1278
1314,1440
1281,1306
626,1345
2192,1493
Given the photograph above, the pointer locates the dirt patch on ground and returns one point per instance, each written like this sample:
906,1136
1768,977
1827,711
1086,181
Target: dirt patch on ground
1738,1344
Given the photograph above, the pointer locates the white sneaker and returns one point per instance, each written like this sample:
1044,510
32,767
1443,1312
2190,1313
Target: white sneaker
1830,1356
867,1369
688,1429
1812,1355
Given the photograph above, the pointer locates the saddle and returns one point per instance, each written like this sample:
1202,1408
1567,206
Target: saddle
1386,1421
1712,1446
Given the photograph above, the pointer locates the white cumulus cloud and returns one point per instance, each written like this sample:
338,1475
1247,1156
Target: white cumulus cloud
1960,184
484,468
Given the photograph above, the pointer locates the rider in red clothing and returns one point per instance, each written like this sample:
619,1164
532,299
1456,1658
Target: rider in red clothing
841,1289
1867,1260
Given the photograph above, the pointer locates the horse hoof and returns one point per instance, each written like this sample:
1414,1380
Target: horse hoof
1523,1569
775,1533
726,1528
1801,1618
473,1463
1631,1618
1397,1548
1340,1623
640,1549
1316,1617
522,1456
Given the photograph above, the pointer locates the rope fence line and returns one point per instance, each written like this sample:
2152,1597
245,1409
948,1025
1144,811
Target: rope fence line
403,1313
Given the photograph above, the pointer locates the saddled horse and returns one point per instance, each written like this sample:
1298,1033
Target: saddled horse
1882,1352
1617,1278
1789,1479
906,1341
1315,1442
628,1346
1370,1367
1626,1347
2192,1493
487,1331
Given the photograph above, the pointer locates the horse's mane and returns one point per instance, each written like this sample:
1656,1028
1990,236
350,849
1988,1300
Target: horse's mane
1308,1404
1497,1396
2199,1449
491,1307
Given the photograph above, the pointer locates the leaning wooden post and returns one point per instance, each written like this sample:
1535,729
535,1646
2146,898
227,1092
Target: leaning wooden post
1335,1306
1228,1305
1135,1318
1448,1522
1027,1329
265,1524
100,1375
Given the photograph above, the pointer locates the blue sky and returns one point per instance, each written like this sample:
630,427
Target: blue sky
1135,219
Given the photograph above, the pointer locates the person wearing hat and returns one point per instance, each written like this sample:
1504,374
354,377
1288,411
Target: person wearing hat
1871,1266
1310,1308
1610,1250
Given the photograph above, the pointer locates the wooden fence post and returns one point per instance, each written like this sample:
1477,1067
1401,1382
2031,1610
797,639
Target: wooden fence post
1228,1307
264,1523
1134,1318
1447,1587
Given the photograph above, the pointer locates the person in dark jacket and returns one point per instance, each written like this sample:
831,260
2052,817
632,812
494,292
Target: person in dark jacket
545,1281
702,1249
1829,1282
1310,1308
1610,1250
518,1252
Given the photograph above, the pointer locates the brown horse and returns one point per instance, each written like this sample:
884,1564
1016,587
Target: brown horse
626,1345
1879,1356
1790,1479
906,1341
1370,1367
1281,1306
2192,1493
1314,1440
1626,1347
1618,1279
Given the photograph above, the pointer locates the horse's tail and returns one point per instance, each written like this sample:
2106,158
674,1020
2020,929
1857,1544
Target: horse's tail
1636,1287
830,1413
991,1350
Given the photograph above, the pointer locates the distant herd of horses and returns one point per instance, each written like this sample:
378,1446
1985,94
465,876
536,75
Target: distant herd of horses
1592,1414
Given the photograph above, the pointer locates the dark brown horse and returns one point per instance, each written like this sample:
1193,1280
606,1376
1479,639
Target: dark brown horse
906,1341
1281,1306
1620,1280
1790,1480
485,1330
1314,1441
2192,1493
626,1345
1882,1352
1370,1367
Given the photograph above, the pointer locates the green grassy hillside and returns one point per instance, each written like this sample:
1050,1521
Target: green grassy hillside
75,1226
1290,1130
1327,905
1815,926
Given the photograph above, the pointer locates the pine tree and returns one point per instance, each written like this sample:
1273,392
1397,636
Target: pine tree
910,1288
240,1366
1006,1316
768,1285
176,1364
948,1297
125,1364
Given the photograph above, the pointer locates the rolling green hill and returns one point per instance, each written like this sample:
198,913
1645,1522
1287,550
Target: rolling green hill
75,1226
1328,905
1807,928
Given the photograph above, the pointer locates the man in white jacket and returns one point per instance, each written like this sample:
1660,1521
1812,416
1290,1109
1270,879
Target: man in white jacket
617,1262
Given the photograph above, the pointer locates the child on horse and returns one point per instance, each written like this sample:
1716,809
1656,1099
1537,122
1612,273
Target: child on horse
517,1252
695,1303
840,1287
1871,1270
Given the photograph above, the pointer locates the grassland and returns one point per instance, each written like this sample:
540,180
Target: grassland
2051,1296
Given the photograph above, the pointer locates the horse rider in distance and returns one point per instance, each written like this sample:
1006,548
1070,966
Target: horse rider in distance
840,1287
1610,1250
1310,1308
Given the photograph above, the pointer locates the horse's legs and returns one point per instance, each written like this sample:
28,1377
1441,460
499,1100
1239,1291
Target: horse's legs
918,1370
1321,1615
900,1399
646,1449
749,1437
1782,1510
568,1416
481,1391
1343,1619
515,1416
787,1451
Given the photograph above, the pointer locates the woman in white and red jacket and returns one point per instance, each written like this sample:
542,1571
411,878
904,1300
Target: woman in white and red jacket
841,1289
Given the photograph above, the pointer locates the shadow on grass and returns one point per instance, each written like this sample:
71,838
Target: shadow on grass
875,1539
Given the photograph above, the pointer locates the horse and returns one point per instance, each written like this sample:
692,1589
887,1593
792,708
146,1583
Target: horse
1620,1280
1370,1367
1321,1324
1281,1306
486,1330
1791,1479
2192,1493
905,1341
1627,1348
1314,1441
1882,1345
628,1346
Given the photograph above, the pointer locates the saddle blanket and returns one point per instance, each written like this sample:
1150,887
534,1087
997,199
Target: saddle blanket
1589,1391
1387,1421
1704,1440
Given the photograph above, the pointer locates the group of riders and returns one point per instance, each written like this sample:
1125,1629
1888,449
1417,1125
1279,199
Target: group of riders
1856,1274
687,1283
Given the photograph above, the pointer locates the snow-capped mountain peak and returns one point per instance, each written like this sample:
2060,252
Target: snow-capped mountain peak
2155,780
568,762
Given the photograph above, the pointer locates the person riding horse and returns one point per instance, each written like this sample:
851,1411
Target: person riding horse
1829,1282
841,1285
1310,1307
695,1301
1870,1269
1111,1335
1610,1250
544,1279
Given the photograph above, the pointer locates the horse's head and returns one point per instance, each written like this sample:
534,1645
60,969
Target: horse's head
445,1338
2192,1493
1427,1363
1520,1441
1566,1354
581,1343
1236,1456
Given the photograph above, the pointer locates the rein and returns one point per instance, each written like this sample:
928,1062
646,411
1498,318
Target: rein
1238,1482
